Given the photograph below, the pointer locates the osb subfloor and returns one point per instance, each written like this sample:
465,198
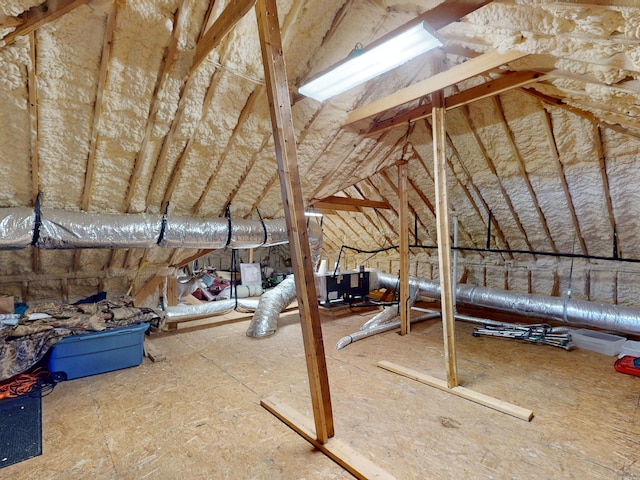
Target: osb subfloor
197,414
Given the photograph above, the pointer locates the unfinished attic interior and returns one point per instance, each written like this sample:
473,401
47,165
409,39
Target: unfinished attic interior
207,273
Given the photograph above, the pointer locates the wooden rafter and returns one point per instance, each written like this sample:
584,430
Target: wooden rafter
523,171
34,141
398,193
602,162
381,214
229,17
548,125
244,114
247,170
492,168
180,20
39,15
105,61
457,74
487,89
369,219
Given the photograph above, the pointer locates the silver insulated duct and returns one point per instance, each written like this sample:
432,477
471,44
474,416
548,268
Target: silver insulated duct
615,318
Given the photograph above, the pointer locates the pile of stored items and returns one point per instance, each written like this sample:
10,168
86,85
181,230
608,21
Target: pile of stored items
26,338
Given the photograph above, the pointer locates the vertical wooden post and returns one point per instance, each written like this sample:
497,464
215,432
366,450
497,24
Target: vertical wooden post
251,255
444,241
285,145
403,212
172,291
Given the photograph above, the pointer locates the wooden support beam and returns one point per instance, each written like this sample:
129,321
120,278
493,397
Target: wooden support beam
403,231
34,141
39,15
491,402
439,81
141,295
444,240
285,145
351,460
343,203
553,147
231,15
485,90
172,291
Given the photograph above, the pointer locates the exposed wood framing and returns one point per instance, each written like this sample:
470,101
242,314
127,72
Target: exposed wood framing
39,15
231,15
488,89
371,220
34,142
444,241
338,451
398,193
492,168
487,401
143,293
403,233
602,162
345,203
468,69
523,171
548,125
180,20
285,145
97,112
246,110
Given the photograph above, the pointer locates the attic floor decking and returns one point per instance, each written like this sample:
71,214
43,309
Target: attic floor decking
197,415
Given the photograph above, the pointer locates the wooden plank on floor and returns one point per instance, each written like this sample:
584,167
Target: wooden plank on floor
482,399
338,451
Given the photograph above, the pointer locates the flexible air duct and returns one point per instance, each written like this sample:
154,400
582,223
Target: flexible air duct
272,302
219,307
16,227
615,318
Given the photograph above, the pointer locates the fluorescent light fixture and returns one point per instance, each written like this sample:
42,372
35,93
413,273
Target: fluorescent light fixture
372,62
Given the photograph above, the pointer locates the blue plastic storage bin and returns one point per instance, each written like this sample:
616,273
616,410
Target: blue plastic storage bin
97,352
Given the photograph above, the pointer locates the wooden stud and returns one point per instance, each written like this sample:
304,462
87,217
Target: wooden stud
444,240
482,399
555,289
32,87
403,227
529,282
602,161
285,145
172,291
587,285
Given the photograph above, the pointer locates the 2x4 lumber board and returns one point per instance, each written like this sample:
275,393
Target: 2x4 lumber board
405,324
39,15
444,241
150,287
286,155
358,202
439,81
485,90
231,15
172,291
468,394
34,142
340,452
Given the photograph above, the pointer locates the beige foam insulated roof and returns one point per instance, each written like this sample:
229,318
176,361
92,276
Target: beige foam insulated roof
103,112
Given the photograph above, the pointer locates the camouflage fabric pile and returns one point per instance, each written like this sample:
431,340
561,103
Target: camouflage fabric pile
23,345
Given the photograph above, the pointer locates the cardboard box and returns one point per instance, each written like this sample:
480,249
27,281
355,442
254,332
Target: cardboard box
6,303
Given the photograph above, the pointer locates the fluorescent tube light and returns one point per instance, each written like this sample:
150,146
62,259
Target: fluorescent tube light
312,214
364,66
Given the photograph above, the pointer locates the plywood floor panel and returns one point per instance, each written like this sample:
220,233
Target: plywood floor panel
197,415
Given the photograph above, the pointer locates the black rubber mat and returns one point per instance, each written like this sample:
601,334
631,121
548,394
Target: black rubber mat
20,428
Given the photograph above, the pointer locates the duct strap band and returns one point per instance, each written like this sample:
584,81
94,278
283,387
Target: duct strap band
37,222
264,227
227,214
